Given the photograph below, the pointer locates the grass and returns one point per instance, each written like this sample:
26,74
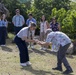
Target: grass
42,61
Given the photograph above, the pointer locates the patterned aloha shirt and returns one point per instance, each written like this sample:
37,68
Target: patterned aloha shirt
58,38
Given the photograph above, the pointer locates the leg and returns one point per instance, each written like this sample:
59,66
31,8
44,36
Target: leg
24,57
62,59
0,35
4,36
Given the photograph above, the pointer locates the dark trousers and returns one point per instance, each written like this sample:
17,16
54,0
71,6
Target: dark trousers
3,35
17,29
24,57
61,58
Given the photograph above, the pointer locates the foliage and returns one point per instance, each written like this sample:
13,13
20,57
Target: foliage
64,10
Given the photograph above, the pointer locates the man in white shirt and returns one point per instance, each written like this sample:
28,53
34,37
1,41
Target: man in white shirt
21,40
62,41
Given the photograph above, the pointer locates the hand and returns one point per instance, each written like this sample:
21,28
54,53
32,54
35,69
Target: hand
36,41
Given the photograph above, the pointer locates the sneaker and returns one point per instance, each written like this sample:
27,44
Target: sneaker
57,68
23,64
3,45
55,50
52,50
28,63
32,47
41,48
67,71
44,48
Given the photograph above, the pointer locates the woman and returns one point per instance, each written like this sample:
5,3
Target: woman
43,27
54,25
3,30
21,40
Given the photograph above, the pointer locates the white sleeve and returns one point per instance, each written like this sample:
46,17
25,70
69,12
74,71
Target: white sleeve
25,33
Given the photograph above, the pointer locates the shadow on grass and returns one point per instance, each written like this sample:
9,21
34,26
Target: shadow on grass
5,48
37,72
42,52
38,51
67,74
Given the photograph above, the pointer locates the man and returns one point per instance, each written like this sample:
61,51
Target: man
18,21
55,26
21,40
30,19
28,22
62,41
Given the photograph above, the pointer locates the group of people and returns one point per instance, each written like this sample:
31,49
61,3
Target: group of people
50,34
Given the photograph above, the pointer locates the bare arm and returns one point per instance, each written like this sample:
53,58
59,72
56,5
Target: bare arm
48,25
43,43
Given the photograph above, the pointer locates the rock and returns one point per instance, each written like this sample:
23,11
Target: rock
70,49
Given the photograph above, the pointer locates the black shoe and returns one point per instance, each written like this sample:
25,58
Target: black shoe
57,68
67,71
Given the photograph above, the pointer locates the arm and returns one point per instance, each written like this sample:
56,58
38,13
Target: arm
48,25
27,22
43,43
23,21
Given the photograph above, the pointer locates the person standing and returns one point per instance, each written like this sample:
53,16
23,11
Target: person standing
63,42
54,25
30,19
18,22
43,27
3,30
21,40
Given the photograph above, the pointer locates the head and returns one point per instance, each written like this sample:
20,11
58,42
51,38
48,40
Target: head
48,31
54,19
3,16
30,15
17,11
43,18
32,26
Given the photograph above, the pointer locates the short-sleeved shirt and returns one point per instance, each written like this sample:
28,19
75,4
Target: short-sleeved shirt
58,38
54,27
29,21
18,20
25,32
3,23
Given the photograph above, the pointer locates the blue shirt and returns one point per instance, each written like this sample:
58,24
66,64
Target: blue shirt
29,21
3,23
18,20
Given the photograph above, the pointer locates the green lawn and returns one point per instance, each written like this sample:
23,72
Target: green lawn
42,61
